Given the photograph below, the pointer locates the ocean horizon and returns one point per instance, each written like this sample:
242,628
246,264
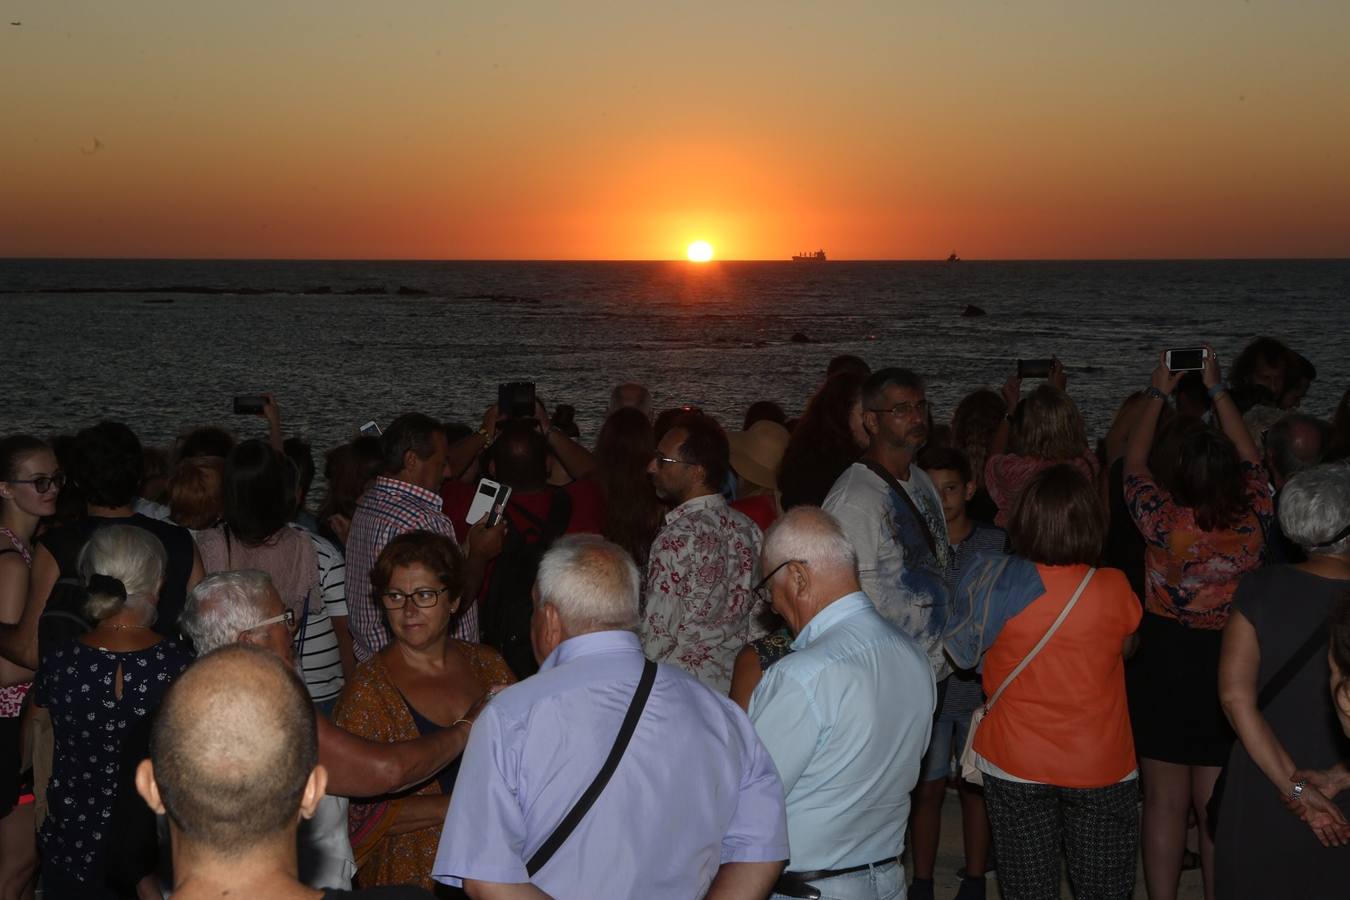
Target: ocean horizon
165,344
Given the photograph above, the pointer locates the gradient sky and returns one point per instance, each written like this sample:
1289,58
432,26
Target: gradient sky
1206,128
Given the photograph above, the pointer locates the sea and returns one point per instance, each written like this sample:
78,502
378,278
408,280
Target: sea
165,345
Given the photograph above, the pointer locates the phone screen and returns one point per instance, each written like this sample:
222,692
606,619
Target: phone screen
1189,360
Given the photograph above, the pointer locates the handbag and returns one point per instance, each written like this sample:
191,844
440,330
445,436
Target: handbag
969,771
1277,683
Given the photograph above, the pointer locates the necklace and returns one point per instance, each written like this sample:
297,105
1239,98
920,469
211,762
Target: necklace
121,627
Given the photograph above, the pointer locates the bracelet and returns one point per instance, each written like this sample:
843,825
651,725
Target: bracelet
1154,393
468,722
1217,390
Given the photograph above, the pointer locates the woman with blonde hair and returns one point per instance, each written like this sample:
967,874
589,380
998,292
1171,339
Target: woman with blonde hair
1038,431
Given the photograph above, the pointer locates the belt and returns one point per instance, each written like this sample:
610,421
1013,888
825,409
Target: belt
795,884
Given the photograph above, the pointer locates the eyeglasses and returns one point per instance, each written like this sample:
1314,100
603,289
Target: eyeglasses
663,460
288,617
901,410
422,598
761,590
43,483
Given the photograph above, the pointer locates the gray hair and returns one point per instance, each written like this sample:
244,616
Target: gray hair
223,606
133,556
592,583
814,536
1315,507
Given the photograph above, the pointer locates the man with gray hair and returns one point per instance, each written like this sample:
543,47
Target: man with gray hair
687,790
846,716
1295,443
244,607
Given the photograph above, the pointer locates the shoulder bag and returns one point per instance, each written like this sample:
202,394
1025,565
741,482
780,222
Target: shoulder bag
584,803
969,771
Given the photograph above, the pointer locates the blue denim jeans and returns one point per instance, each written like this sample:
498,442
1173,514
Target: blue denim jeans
877,883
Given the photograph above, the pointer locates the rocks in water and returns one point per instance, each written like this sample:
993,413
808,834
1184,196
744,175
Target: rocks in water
972,311
799,338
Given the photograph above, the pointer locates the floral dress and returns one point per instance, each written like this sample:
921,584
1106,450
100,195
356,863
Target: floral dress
11,696
77,684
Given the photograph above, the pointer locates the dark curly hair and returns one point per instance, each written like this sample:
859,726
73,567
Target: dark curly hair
436,552
108,464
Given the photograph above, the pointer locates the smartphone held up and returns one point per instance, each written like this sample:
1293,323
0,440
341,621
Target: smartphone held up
1190,359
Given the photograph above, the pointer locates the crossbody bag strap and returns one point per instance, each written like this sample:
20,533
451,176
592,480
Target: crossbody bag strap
583,805
1280,680
1045,639
894,484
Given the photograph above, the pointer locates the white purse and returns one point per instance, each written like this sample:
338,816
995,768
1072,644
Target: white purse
969,771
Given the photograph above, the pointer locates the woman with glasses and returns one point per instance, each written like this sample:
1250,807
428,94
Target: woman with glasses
1038,431
422,681
29,485
101,690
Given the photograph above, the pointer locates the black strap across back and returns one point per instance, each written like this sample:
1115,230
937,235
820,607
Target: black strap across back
584,803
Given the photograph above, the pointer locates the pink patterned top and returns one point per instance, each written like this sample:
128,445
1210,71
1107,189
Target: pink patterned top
11,697
699,606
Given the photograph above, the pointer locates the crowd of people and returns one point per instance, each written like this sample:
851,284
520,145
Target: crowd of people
687,661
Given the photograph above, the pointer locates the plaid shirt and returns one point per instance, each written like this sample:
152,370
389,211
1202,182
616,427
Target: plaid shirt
390,508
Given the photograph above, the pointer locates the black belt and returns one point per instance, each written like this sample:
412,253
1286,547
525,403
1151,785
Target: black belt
796,884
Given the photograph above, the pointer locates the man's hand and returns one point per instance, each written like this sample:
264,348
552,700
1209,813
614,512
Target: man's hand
1012,392
1058,377
1324,818
490,416
486,543
271,411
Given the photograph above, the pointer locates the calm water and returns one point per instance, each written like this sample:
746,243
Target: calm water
718,335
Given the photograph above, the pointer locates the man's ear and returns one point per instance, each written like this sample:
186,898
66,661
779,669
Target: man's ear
315,787
147,788
410,460
971,487
869,420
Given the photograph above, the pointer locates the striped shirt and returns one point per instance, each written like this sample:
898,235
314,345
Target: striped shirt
319,659
390,508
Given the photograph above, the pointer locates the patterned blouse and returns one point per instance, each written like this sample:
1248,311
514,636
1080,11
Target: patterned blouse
700,608
11,697
1007,473
78,686
372,707
1192,573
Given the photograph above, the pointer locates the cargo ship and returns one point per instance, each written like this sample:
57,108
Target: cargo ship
818,256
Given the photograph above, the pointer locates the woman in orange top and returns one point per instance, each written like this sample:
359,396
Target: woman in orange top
422,681
1056,749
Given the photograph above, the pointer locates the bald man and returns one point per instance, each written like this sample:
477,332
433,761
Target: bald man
234,764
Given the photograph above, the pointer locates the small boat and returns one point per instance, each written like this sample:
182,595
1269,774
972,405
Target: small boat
818,256
953,258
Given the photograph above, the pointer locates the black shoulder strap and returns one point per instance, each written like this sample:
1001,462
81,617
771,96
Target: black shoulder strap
583,805
1280,680
899,488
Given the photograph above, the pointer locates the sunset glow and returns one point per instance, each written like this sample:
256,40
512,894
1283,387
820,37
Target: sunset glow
428,130
700,252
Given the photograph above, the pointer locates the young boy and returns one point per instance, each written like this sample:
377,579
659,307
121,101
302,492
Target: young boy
959,696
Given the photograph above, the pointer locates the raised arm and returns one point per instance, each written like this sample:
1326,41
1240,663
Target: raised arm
1230,417
1012,393
576,459
1164,382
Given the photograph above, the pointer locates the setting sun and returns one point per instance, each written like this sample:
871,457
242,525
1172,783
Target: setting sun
700,251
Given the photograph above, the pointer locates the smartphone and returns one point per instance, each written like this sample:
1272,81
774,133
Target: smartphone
485,499
515,400
494,518
1191,359
1034,368
371,429
249,404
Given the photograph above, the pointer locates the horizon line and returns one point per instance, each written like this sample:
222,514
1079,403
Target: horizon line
713,262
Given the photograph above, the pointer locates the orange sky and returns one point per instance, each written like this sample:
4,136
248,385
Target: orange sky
605,131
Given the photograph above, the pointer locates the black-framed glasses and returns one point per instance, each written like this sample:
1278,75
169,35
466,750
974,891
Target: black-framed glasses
42,483
288,617
664,460
761,590
422,598
900,410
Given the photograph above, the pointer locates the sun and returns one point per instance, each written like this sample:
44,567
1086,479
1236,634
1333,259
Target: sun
700,252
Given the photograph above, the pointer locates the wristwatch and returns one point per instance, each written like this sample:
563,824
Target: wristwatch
1156,394
1297,790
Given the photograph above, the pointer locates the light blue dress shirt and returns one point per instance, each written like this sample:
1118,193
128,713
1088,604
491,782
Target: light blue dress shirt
694,790
846,717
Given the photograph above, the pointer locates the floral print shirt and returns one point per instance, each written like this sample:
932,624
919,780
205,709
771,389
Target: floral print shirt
699,604
1191,573
78,686
11,697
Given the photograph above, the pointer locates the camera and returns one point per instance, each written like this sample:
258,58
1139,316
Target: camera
515,400
249,404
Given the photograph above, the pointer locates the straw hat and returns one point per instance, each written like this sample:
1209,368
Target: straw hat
756,452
